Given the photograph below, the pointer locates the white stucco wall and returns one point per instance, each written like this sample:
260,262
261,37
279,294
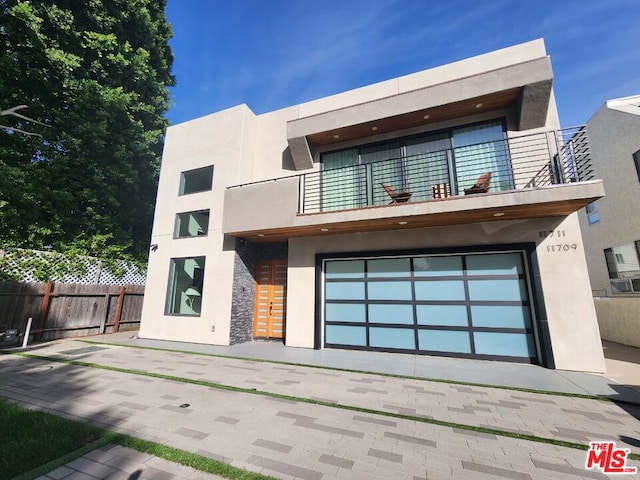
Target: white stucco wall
614,135
569,306
224,141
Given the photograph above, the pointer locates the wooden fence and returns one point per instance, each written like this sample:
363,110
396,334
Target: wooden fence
61,310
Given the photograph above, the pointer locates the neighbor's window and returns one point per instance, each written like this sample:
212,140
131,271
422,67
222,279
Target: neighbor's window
184,296
623,263
636,161
191,224
198,180
593,214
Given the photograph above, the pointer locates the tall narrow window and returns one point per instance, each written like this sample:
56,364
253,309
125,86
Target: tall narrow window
184,295
636,161
197,180
192,224
593,214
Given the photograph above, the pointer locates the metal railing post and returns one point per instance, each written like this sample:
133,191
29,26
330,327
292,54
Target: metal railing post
368,168
301,193
554,159
453,178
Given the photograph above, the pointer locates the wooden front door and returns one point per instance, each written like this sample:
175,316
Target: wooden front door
271,292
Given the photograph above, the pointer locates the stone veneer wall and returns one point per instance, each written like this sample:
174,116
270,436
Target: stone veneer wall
244,284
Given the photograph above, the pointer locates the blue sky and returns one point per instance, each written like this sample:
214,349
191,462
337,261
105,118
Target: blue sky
271,54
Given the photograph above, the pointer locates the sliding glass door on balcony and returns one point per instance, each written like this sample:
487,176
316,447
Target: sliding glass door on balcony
427,164
343,185
481,149
447,161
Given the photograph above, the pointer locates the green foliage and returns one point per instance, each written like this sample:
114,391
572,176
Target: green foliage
36,443
16,264
97,72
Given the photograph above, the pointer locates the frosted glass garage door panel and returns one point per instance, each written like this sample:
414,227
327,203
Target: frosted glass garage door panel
345,269
451,315
345,335
444,341
497,290
495,264
508,344
402,314
440,290
389,267
437,266
392,338
500,316
344,291
389,290
345,312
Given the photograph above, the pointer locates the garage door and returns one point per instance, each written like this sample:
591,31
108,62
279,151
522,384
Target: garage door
472,305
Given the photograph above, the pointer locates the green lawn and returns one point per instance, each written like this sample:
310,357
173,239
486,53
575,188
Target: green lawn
30,439
33,443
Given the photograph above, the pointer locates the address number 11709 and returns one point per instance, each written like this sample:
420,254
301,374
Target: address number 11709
562,247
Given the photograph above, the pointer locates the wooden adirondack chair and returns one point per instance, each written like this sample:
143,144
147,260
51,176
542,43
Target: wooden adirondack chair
396,197
481,186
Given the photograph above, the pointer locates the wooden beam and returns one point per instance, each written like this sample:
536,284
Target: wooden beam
44,306
116,322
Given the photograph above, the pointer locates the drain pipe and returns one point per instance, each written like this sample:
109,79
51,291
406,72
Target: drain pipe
26,333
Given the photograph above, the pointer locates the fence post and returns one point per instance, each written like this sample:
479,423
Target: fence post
27,332
116,322
44,308
103,323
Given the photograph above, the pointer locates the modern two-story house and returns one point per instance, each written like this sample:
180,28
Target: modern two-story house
611,228
433,213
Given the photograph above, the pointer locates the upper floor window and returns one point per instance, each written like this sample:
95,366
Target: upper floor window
623,263
593,214
191,224
636,161
197,180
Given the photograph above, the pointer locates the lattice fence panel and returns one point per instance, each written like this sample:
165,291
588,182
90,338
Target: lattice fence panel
37,266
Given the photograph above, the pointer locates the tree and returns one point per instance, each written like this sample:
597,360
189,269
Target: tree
97,73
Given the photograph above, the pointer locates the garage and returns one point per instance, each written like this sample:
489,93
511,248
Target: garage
471,304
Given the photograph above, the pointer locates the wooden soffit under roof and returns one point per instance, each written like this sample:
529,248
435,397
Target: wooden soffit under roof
525,87
441,113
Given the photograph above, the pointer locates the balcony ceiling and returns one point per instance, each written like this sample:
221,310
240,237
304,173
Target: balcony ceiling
441,113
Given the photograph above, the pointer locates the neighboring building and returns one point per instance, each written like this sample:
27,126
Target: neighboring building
279,226
611,226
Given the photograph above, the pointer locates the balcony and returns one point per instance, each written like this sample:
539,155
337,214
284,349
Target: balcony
538,175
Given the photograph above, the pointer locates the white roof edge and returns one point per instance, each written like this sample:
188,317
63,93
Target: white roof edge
492,60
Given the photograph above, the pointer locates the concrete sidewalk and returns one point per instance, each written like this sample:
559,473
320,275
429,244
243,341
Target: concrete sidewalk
253,429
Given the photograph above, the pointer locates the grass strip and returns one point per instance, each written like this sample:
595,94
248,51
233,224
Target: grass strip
193,460
253,391
585,396
31,438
